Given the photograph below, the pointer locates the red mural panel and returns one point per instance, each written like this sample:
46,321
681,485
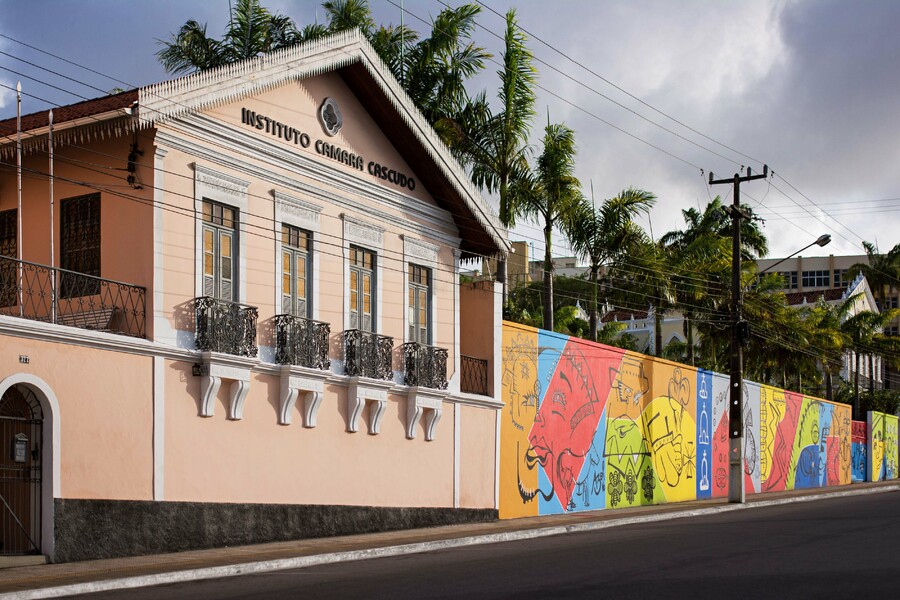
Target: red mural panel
859,434
565,424
784,443
720,459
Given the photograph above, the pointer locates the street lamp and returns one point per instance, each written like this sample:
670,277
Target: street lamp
822,241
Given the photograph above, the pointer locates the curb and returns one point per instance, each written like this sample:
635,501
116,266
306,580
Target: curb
415,548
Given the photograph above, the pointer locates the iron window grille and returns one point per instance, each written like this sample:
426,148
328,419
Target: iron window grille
301,341
9,248
368,354
424,366
473,375
226,327
79,224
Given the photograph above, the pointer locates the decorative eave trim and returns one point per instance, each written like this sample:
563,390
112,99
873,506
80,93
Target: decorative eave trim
109,125
215,87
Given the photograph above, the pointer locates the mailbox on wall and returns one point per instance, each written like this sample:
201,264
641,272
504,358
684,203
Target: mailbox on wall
20,448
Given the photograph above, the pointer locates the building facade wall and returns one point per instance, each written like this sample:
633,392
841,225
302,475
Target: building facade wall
144,448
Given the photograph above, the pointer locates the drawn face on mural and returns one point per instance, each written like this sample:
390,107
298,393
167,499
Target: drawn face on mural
877,445
564,427
521,391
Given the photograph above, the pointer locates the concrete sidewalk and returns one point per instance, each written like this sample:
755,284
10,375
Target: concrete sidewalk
55,580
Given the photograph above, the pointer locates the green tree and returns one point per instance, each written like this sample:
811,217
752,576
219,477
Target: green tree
251,30
494,142
699,262
552,196
605,235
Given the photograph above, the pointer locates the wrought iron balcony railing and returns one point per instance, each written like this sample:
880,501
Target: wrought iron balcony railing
473,377
424,366
367,354
41,293
302,342
226,327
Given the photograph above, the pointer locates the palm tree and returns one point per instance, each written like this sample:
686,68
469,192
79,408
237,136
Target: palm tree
715,221
432,70
828,337
603,236
699,259
495,143
552,195
349,14
251,30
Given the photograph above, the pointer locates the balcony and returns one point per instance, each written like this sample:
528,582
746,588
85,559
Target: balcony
226,327
424,366
473,375
367,354
301,342
51,295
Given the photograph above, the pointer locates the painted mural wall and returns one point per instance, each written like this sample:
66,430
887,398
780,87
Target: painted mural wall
587,427
883,449
859,452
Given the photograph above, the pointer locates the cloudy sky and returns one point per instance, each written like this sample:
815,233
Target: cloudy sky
809,87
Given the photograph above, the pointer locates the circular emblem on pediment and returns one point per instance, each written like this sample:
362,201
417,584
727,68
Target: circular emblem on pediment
330,116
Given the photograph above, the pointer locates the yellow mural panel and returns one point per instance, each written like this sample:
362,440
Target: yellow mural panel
521,393
671,431
772,409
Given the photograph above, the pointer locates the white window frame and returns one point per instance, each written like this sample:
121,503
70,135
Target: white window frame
231,191
290,210
369,237
424,254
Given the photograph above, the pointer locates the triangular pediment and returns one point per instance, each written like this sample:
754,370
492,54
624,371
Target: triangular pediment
349,56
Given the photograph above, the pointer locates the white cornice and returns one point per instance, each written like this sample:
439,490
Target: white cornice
439,219
99,340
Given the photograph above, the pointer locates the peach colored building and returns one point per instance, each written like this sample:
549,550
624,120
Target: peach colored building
251,326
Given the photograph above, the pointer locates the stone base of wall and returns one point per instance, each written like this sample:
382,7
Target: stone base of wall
93,529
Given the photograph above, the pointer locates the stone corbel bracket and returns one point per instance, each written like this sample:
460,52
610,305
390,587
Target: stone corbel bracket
213,371
292,387
360,393
423,401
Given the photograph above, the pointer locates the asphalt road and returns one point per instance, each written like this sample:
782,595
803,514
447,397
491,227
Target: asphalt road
834,548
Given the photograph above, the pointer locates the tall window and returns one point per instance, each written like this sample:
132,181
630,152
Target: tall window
362,289
419,294
295,265
790,279
8,247
840,278
219,243
79,224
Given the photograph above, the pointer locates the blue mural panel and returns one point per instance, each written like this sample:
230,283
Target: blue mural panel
705,433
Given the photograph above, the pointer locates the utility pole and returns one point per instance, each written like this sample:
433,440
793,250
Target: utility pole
740,332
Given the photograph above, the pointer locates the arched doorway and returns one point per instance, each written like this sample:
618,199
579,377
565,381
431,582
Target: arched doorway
21,449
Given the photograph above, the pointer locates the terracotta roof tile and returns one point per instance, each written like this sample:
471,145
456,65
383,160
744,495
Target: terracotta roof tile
795,298
623,315
70,112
